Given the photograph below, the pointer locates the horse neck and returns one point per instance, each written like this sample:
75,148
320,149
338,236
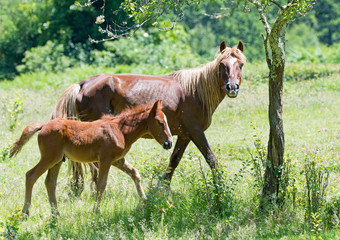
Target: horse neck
133,126
205,83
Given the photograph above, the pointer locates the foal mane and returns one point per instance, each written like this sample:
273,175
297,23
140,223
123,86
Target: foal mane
205,79
129,113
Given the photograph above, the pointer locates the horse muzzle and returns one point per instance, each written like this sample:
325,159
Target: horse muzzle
167,145
232,90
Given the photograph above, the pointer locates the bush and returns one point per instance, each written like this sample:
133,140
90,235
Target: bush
49,57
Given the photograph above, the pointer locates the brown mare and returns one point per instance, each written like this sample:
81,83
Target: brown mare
190,97
105,141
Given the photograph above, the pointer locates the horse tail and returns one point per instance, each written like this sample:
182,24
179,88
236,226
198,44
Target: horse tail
66,105
66,108
26,135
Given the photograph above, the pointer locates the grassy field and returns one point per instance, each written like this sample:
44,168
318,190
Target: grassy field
312,134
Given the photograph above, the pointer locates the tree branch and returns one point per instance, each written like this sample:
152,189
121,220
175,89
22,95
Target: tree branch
277,4
268,59
260,9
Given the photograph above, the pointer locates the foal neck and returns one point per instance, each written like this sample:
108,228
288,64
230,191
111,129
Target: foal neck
133,126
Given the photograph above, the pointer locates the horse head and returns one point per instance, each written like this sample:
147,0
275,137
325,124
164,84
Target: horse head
158,125
231,67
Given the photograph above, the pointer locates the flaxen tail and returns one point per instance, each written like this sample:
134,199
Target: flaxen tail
66,105
28,132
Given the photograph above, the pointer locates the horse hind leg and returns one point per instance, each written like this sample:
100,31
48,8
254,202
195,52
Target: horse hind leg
51,184
104,167
126,167
31,177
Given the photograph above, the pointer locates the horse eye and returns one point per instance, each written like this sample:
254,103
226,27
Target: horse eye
241,65
161,124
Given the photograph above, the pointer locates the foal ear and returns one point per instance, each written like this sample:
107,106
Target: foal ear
157,105
240,46
222,46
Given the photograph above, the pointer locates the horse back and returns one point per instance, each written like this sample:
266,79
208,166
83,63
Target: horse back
111,94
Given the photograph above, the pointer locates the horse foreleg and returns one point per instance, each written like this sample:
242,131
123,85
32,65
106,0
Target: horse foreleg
176,156
202,144
104,167
126,167
51,184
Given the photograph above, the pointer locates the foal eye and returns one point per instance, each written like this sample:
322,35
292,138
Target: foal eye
161,124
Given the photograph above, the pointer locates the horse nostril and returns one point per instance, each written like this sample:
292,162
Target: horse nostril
227,87
167,145
237,86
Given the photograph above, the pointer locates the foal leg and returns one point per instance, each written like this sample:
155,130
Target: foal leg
126,167
104,167
175,158
51,184
31,177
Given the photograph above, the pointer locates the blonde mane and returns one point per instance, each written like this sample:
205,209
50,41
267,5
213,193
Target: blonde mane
205,80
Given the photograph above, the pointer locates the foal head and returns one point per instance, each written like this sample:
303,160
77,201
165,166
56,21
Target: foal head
158,125
231,67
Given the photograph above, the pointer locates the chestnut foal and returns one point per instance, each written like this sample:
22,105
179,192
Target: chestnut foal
106,141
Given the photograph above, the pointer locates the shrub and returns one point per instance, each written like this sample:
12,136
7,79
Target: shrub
48,58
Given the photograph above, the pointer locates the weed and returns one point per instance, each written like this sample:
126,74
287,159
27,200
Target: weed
317,176
10,227
13,108
4,153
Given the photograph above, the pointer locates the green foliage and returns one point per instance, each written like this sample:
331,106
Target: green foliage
32,23
10,228
149,49
303,46
317,177
49,58
258,160
12,108
219,20
4,153
300,71
327,13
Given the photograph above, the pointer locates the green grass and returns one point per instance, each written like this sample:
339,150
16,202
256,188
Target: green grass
311,123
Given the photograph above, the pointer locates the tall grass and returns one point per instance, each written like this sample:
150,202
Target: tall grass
311,123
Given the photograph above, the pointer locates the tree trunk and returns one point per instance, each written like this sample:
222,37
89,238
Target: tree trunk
275,154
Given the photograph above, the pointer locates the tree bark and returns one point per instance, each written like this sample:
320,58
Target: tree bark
275,153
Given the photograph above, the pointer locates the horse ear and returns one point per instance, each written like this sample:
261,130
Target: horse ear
222,46
240,45
155,106
159,104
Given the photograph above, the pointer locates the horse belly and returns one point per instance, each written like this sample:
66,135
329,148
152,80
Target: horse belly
83,154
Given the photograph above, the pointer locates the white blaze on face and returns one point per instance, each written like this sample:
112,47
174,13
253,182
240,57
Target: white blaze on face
233,60
167,125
